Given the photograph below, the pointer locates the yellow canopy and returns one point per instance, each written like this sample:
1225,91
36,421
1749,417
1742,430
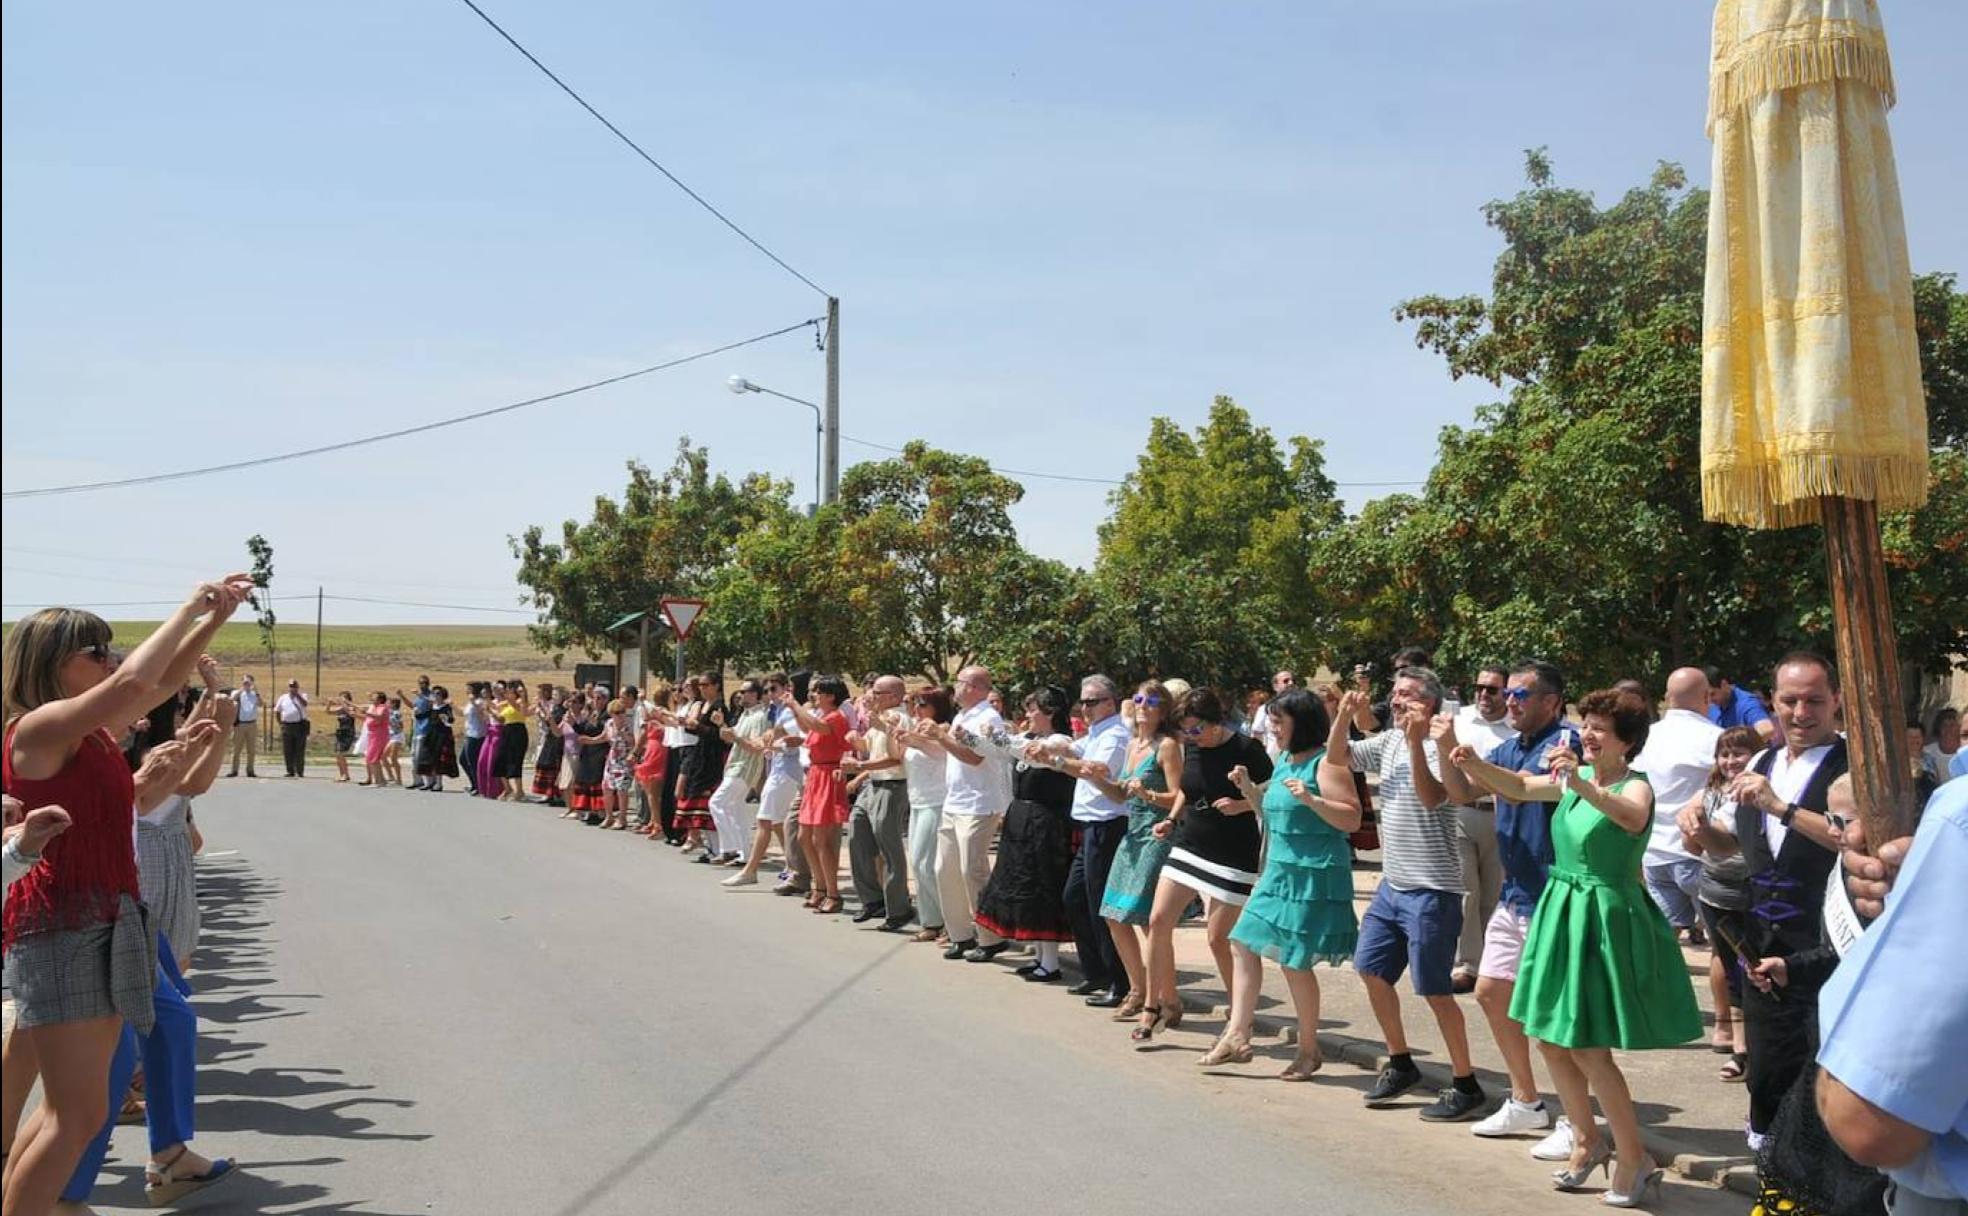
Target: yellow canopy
1810,367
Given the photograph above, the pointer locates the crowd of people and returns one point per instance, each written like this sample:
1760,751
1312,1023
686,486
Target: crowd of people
1539,848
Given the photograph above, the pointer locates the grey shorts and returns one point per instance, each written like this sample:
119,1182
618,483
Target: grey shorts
62,976
78,975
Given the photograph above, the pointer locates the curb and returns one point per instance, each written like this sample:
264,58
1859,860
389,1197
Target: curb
1736,1174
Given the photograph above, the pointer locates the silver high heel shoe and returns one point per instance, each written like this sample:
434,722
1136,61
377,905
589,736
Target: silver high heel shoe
1649,1180
1601,1157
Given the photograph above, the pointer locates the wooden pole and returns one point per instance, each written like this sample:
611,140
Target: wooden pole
1869,669
318,597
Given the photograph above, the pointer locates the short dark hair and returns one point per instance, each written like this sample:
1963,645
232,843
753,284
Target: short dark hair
1412,656
439,690
1493,669
942,706
775,677
801,682
1807,658
832,686
1202,704
1310,723
1947,713
1549,678
1627,712
1054,702
1715,676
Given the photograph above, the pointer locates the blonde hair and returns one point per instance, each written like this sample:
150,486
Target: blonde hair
37,646
1177,688
659,693
618,706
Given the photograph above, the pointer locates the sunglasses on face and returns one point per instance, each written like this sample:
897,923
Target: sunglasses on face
1194,732
1149,700
1516,694
1091,701
1491,690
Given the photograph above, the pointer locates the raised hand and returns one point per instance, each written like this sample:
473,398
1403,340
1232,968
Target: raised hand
1754,789
1298,789
1563,763
1443,730
1351,702
1869,878
208,671
1414,724
1461,754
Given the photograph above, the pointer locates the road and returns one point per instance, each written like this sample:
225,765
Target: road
420,1003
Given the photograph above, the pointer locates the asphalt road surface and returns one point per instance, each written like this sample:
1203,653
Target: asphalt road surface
418,1003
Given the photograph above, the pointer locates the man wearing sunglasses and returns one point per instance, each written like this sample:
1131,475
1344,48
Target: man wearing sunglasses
1534,702
1483,725
1102,821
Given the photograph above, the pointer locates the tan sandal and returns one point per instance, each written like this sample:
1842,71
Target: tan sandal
1227,1051
1302,1068
162,1185
1130,1007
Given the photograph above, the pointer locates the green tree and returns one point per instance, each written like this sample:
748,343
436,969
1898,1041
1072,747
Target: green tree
668,535
919,538
1566,522
1205,567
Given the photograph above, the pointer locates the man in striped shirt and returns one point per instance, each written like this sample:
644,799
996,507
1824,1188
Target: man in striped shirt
1415,919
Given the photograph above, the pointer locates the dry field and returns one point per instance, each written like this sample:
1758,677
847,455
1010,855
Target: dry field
364,659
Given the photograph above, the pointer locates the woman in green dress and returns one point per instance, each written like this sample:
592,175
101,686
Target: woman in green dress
1601,968
1301,910
1153,754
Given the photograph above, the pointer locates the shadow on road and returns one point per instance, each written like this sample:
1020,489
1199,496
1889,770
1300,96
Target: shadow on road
239,1091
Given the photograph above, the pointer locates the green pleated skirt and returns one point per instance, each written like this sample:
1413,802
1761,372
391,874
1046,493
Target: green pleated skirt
1601,968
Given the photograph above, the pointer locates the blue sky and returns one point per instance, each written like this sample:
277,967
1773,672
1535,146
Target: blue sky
235,229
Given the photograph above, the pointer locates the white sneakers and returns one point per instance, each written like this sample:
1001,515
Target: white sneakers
1558,1145
741,880
1515,1118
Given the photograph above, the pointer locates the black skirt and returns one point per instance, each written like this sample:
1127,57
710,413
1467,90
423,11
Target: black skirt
510,759
1025,899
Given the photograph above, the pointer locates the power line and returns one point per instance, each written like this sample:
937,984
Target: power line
638,150
1100,481
45,491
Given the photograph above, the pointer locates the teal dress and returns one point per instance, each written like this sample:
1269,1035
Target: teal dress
1301,910
1138,862
1601,967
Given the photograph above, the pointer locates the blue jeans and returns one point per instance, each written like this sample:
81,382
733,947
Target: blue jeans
1674,885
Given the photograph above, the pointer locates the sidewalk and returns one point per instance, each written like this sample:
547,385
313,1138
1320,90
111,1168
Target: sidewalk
1693,1120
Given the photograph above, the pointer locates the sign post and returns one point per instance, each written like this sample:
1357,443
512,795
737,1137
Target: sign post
683,615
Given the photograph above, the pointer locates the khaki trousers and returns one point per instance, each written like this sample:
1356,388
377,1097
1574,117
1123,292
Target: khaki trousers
963,865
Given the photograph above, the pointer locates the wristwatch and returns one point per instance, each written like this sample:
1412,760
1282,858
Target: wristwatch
1788,813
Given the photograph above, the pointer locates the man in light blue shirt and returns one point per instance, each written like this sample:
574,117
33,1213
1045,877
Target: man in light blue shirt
1894,1090
1102,821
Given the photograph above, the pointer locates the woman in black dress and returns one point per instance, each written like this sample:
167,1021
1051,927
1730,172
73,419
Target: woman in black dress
587,797
1215,848
1025,897
702,769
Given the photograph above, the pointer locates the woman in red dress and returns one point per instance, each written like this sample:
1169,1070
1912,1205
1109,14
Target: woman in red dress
823,807
72,990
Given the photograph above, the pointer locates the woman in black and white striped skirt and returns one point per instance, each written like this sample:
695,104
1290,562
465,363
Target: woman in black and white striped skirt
1215,847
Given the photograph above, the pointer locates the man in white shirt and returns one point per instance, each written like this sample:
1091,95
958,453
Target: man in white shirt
1260,724
292,709
979,790
246,727
1678,756
1482,725
1938,756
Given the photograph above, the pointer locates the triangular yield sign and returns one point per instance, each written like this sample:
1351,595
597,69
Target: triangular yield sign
683,615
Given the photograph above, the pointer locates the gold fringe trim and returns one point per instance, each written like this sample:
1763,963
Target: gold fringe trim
1784,493
1781,60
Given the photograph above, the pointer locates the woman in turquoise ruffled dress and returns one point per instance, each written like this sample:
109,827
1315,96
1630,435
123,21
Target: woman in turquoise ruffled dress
1300,912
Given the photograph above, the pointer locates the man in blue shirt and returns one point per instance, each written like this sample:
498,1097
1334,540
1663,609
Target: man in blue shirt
1534,702
1731,706
1894,1086
420,708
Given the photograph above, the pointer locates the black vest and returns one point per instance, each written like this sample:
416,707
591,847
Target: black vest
1787,891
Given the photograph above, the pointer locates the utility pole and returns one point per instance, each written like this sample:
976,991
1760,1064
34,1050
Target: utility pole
830,481
316,690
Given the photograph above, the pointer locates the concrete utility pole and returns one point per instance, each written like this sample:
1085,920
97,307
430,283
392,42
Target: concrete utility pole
831,464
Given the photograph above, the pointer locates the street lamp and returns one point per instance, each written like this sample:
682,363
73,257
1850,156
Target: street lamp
821,494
